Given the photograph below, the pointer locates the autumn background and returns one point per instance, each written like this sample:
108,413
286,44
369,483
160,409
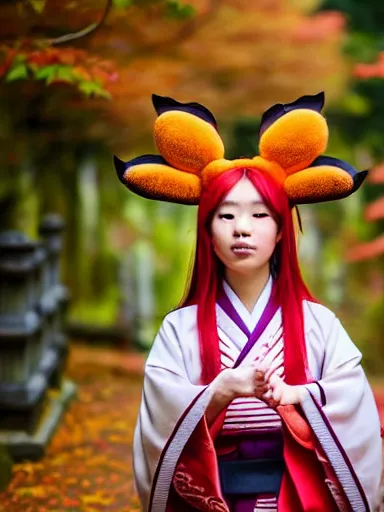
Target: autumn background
76,80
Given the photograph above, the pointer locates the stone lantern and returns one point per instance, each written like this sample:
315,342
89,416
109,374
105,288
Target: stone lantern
22,387
55,298
46,305
29,412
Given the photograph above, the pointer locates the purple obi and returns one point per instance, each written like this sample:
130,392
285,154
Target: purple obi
251,465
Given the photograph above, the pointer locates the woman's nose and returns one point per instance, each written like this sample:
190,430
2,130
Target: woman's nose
241,234
242,228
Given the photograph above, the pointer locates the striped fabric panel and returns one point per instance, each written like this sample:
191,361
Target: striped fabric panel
228,352
266,508
250,413
266,504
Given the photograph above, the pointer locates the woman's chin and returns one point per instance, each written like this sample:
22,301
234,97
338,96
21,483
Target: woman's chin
248,268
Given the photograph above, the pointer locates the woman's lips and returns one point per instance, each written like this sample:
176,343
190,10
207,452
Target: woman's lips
243,249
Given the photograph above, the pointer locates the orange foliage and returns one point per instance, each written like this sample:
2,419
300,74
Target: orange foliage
374,70
88,464
91,75
323,23
374,211
237,61
377,174
237,57
367,250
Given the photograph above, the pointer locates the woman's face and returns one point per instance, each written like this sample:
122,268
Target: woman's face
244,233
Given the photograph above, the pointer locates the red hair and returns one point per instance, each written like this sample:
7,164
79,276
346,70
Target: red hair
208,272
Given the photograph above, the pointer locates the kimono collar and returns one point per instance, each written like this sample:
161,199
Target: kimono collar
250,319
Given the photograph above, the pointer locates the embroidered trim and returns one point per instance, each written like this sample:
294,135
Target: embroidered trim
337,496
172,451
333,450
194,494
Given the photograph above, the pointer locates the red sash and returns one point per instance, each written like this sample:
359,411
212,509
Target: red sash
309,483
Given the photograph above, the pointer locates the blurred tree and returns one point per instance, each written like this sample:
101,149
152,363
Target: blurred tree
358,122
359,115
30,55
233,56
236,57
373,212
243,58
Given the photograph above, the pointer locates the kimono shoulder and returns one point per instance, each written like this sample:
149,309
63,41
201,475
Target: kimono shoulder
177,344
172,404
342,411
318,319
326,336
182,320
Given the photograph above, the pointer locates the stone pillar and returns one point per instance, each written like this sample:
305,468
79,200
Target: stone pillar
54,300
28,412
22,387
45,306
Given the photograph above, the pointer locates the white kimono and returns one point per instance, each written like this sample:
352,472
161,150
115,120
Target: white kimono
339,408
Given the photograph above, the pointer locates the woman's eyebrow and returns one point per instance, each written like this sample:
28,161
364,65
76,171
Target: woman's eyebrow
235,203
229,203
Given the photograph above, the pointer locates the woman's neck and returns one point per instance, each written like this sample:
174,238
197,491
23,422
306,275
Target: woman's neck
248,288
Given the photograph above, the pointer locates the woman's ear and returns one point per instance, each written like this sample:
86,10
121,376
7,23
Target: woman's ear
278,237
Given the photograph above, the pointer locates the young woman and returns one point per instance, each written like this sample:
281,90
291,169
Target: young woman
254,398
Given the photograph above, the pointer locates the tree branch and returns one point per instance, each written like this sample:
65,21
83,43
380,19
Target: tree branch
84,32
184,33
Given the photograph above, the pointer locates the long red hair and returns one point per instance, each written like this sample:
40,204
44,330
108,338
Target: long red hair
208,272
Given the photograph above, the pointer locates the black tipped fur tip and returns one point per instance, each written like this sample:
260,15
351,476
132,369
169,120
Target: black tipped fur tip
120,167
320,97
164,103
313,102
156,100
358,180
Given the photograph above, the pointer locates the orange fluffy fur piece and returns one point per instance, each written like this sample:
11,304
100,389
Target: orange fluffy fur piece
163,182
295,140
186,141
272,168
219,166
317,182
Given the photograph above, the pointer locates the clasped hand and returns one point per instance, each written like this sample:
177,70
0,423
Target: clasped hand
255,380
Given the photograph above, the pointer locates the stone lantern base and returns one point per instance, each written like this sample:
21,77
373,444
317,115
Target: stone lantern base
22,444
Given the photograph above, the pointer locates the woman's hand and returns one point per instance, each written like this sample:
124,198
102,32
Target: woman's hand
280,393
246,381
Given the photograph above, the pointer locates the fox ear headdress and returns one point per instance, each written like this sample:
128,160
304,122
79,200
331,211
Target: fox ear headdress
292,140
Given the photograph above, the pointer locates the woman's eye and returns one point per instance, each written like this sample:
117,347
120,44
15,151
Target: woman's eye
228,216
260,215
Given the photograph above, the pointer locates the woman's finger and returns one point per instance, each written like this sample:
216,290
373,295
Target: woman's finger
260,390
267,394
277,393
268,398
274,380
260,377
